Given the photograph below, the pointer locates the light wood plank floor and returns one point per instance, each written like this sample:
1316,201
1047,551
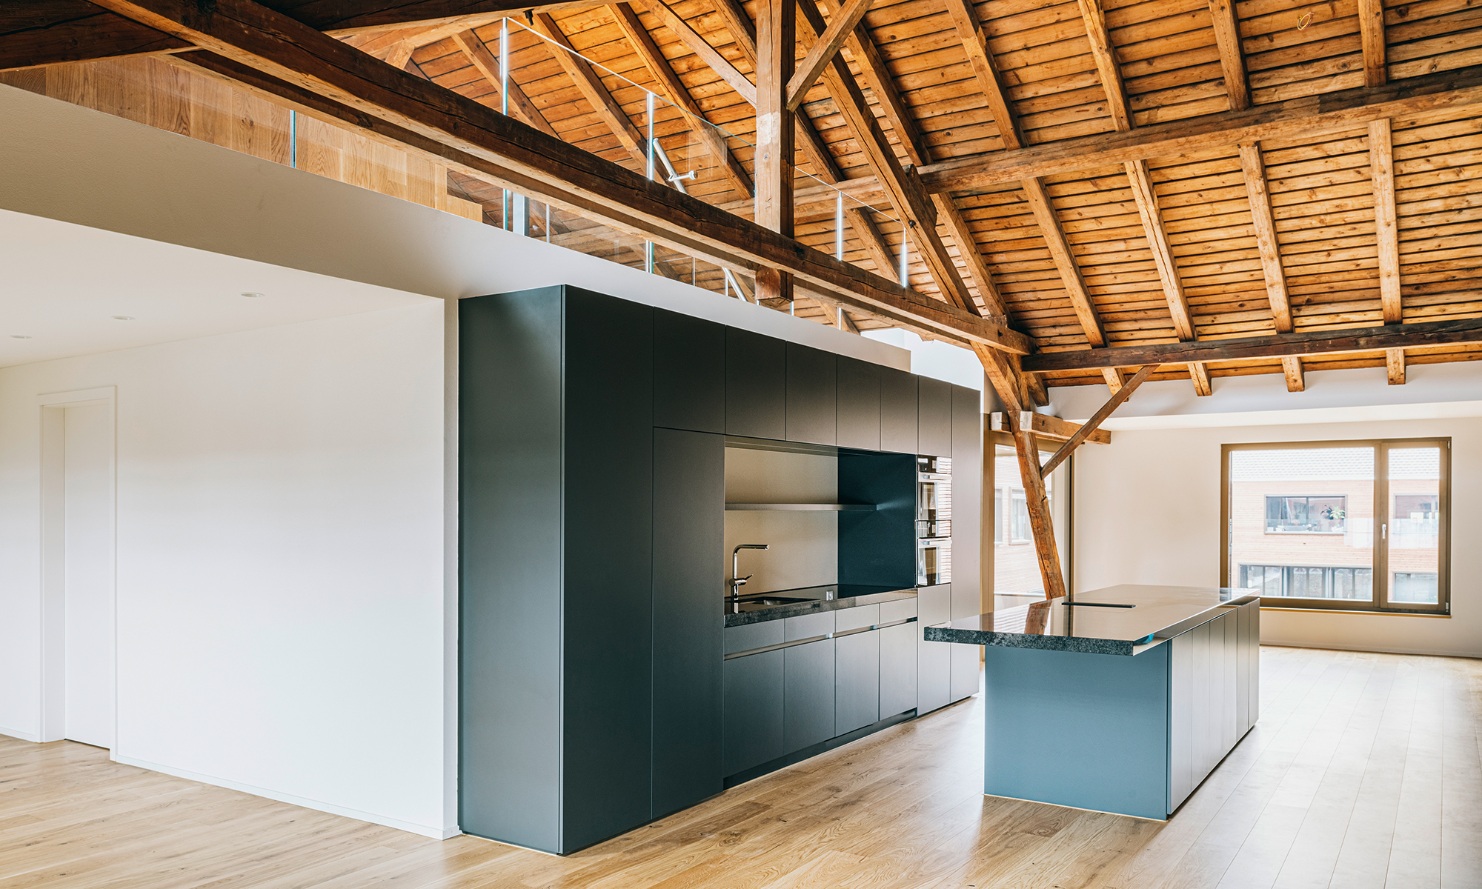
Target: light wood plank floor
1365,770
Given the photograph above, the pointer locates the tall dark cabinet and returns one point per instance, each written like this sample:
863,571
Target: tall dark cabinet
556,499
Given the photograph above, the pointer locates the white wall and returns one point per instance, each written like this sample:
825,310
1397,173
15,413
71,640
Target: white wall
1147,510
280,579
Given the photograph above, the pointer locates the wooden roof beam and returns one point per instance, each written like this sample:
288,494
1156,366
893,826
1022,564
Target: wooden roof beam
1304,343
473,46
1046,426
53,31
1371,37
1339,111
272,53
1232,55
1090,426
702,48
1253,165
824,49
679,95
1382,170
590,84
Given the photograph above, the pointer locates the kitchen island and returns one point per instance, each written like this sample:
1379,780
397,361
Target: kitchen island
1120,700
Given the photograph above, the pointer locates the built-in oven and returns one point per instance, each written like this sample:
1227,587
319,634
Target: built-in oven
933,520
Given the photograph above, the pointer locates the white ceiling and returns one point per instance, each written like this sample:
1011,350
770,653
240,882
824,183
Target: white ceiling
61,285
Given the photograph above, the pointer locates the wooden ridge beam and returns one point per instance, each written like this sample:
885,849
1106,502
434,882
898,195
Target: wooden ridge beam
824,49
472,46
1118,398
589,82
1214,133
678,94
1304,343
1046,426
270,52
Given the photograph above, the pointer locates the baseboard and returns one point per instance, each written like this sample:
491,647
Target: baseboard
436,833
1371,650
33,737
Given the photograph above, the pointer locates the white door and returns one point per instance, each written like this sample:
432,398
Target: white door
88,573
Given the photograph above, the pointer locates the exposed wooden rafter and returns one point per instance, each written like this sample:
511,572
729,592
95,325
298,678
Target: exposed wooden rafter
824,49
1382,171
1232,55
590,84
519,104
776,41
673,89
47,33
1048,427
702,48
1303,343
1254,167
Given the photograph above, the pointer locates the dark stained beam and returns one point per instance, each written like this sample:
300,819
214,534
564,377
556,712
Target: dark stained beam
1214,133
1306,343
270,52
53,31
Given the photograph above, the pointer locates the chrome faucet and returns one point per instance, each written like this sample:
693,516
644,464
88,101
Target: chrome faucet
737,581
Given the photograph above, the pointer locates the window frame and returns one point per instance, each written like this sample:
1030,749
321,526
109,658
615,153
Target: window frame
1380,601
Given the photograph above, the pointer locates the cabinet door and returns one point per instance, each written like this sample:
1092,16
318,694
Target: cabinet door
607,573
689,373
808,694
933,659
967,494
689,509
756,385
859,404
1229,680
898,669
966,659
934,418
857,683
753,726
897,411
812,395
1180,720
1254,641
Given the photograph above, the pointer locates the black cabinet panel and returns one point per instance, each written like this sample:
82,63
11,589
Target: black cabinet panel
859,404
689,373
935,418
689,504
898,669
808,694
608,567
878,548
857,685
812,395
756,385
753,727
897,411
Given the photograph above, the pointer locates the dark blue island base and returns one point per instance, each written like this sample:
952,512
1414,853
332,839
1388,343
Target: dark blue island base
1101,706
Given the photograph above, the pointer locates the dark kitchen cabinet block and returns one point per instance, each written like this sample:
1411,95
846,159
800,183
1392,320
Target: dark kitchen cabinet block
808,694
898,414
756,385
857,684
555,719
812,395
898,669
934,418
688,528
878,547
754,724
859,404
689,373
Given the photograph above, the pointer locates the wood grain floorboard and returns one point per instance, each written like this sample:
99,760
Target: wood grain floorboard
1365,770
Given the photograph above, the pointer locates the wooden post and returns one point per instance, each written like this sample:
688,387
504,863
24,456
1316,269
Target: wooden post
776,40
1037,502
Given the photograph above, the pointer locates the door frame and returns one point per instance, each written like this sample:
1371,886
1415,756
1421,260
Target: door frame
53,698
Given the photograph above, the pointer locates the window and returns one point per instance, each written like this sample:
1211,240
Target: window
1353,525
1019,518
1306,515
998,514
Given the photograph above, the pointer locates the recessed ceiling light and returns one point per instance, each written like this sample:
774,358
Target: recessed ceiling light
252,294
20,336
123,317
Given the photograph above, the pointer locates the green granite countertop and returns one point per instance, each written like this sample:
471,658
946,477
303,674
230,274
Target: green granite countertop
1119,620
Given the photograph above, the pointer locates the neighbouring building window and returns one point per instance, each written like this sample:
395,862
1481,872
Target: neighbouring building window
1019,517
999,514
1354,525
